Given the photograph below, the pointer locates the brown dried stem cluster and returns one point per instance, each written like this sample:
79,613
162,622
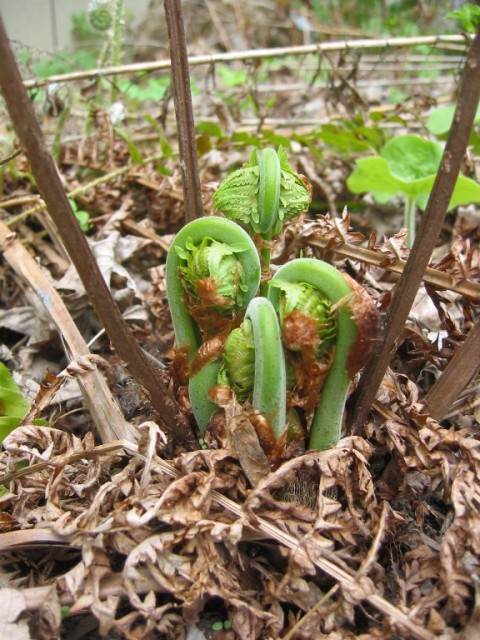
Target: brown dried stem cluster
49,184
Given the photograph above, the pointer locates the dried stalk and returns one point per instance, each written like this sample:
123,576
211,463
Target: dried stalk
427,237
468,288
182,97
105,412
50,186
73,193
250,54
100,450
457,375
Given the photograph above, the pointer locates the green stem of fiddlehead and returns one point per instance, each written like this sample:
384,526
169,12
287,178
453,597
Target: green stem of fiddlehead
327,422
253,366
269,389
190,254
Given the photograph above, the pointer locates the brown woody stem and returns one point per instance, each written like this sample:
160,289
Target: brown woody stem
51,189
183,110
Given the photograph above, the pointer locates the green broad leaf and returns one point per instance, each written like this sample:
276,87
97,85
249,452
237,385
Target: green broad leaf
83,218
165,146
153,89
212,129
467,16
232,77
377,116
345,141
276,139
246,139
204,144
407,165
373,174
411,158
13,405
440,119
466,191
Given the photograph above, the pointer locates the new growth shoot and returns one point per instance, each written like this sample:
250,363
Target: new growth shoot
287,355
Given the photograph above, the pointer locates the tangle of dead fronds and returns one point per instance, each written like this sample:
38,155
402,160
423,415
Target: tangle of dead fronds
154,542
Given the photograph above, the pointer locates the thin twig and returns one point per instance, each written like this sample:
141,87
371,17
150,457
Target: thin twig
12,156
182,96
300,623
457,375
468,288
83,188
50,186
99,450
250,54
427,237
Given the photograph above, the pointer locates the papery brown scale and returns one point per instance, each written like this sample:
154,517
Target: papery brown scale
207,292
274,449
332,232
216,436
368,321
301,336
300,332
210,321
208,352
183,400
220,394
306,183
310,375
180,366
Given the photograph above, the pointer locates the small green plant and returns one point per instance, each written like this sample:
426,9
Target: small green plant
65,612
13,404
222,625
100,15
82,216
352,136
407,166
467,17
289,352
440,120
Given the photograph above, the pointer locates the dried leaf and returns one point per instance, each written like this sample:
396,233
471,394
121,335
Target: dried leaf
12,605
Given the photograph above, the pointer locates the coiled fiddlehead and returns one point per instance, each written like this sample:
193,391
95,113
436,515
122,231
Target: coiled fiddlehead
356,325
212,273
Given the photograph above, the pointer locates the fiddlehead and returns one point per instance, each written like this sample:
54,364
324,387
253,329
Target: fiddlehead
212,272
264,193
253,365
353,321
